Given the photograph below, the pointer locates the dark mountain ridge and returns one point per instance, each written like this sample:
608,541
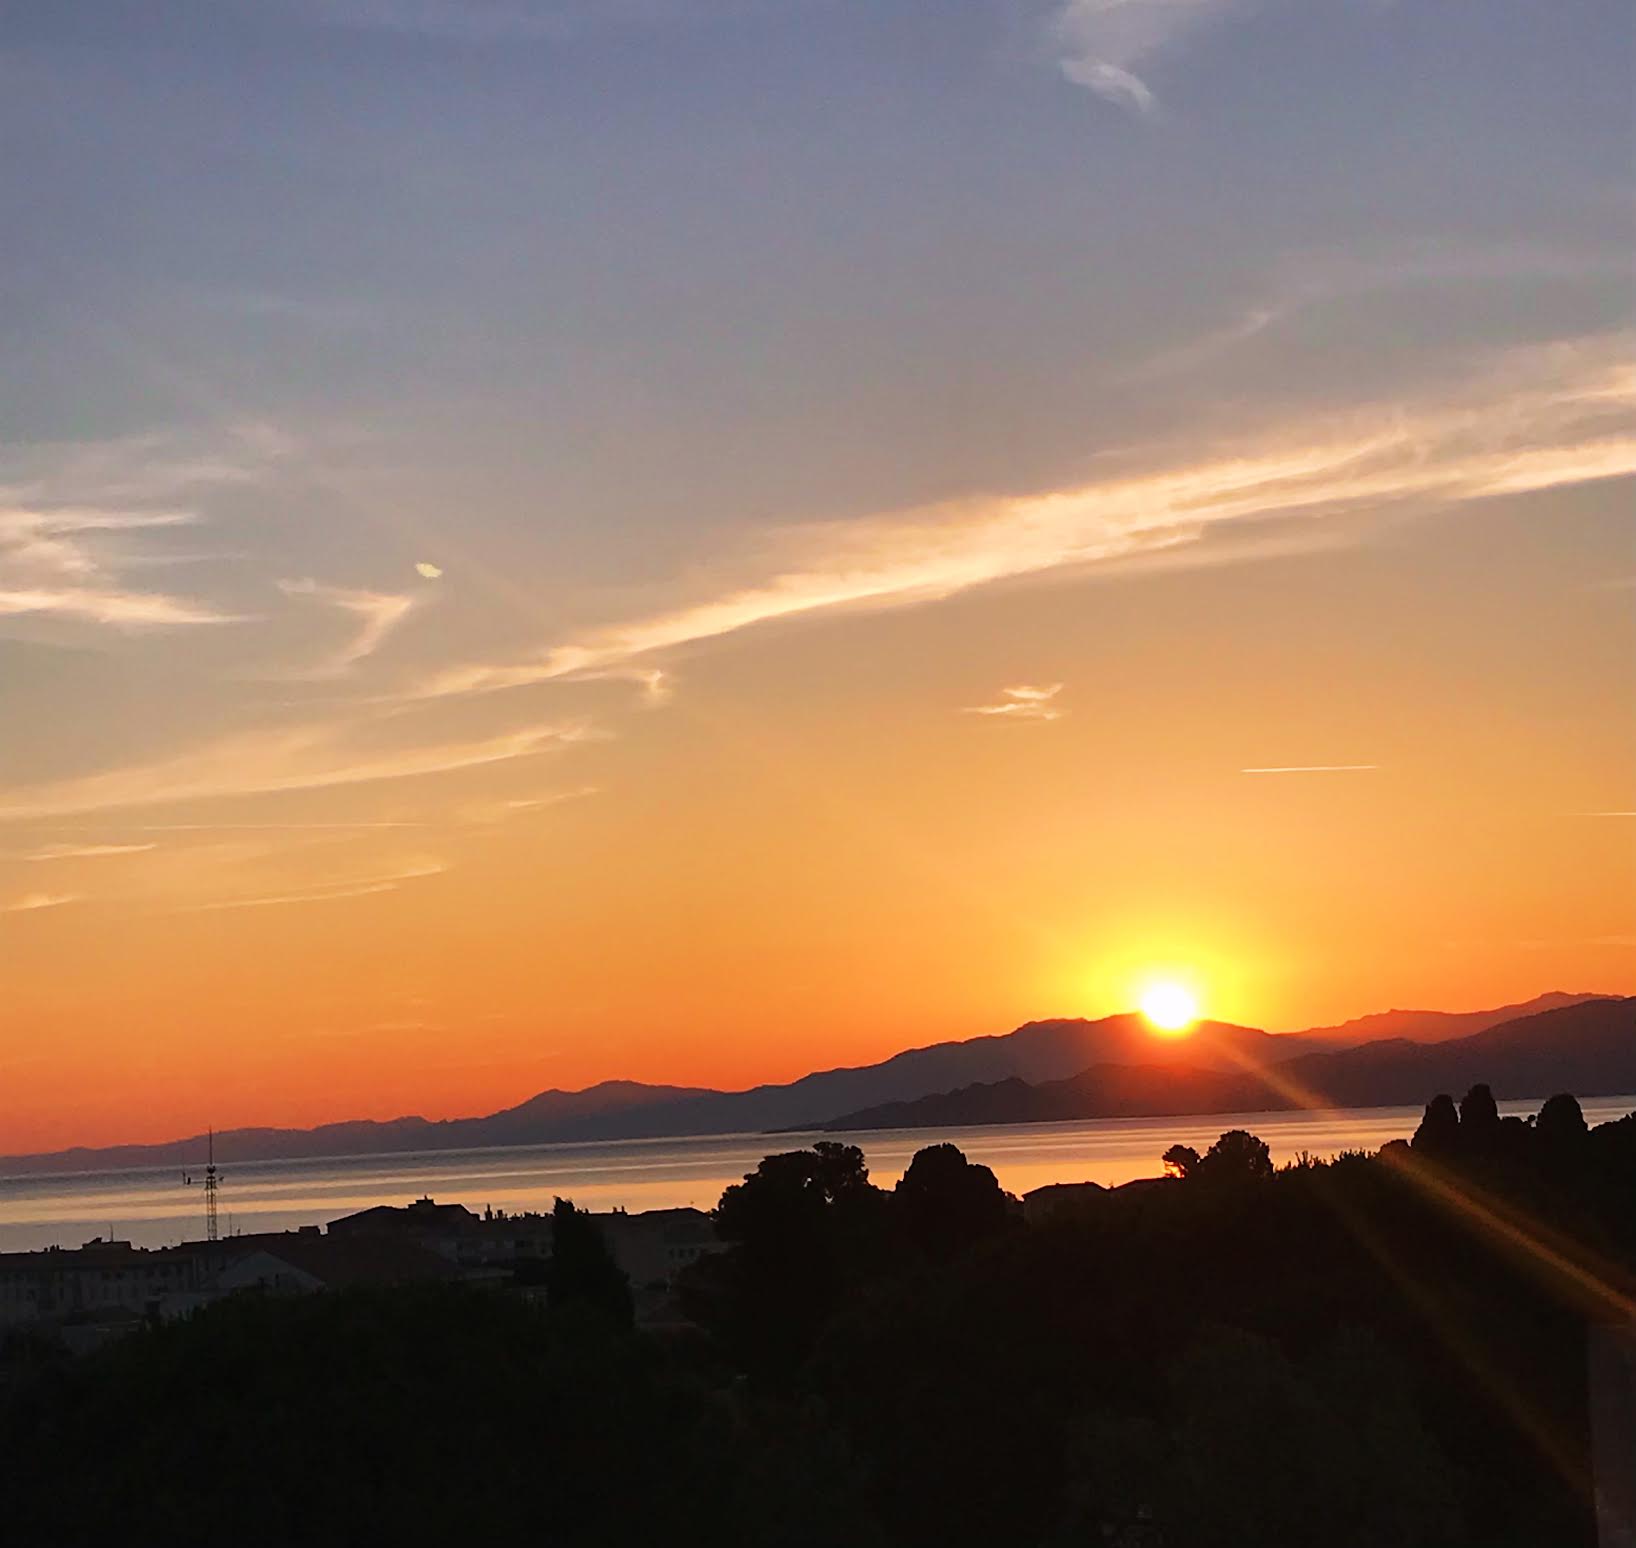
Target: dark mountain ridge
1588,1047
1036,1053
1038,1050
1424,1026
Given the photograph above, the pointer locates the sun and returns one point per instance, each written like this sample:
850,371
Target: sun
1170,1007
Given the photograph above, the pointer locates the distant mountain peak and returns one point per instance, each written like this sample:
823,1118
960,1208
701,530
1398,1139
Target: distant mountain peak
1436,1026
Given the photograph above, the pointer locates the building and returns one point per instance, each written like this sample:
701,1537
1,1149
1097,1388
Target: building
107,1287
1061,1201
493,1239
654,1246
113,1284
305,1262
102,1277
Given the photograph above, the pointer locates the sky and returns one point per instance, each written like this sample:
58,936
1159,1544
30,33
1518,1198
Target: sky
697,540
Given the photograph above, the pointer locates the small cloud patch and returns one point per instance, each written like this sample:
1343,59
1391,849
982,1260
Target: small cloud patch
32,901
1024,702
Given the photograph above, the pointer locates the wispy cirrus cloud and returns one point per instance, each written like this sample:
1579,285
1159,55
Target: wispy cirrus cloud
329,892
378,613
1024,702
86,851
69,513
1100,42
498,811
310,757
31,902
1313,768
142,472
267,827
61,562
1554,417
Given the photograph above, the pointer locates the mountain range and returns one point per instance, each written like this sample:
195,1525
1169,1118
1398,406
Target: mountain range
1084,1068
1587,1047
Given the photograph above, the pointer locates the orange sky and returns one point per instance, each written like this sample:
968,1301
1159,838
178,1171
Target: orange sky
811,855
699,547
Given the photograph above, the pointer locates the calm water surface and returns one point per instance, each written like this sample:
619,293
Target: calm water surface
150,1206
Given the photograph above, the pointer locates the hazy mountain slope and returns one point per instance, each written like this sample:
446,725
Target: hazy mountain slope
1036,1051
1423,1026
1039,1052
537,1118
1588,1048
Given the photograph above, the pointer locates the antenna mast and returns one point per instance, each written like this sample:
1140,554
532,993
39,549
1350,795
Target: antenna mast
212,1229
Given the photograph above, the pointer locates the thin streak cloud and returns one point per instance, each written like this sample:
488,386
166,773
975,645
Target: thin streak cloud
86,851
378,614
64,507
32,902
1314,768
267,762
360,887
1023,702
58,561
498,811
1551,418
270,827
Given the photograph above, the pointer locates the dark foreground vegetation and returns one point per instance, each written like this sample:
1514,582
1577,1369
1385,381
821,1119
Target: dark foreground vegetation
1383,1350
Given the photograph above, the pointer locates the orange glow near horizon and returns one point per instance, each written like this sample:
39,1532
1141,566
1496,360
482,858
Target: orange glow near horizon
442,911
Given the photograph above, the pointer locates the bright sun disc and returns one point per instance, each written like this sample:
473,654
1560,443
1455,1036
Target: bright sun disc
1170,1007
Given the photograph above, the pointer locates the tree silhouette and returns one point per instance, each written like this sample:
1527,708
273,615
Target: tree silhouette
1439,1131
1238,1156
1180,1160
945,1202
582,1272
800,1223
1479,1120
1561,1122
788,1196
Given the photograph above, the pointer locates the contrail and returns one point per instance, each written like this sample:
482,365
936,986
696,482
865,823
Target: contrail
1315,768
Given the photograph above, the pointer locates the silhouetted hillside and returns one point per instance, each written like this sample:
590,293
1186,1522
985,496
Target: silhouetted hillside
1588,1047
1038,1050
1428,1026
540,1118
1206,1071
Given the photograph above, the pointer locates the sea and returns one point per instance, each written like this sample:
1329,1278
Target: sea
151,1207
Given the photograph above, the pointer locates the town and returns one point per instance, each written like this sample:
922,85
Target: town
91,1294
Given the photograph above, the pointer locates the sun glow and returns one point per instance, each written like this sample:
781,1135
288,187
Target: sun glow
1170,1007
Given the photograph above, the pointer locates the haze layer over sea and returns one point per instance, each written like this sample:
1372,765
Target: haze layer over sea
151,1207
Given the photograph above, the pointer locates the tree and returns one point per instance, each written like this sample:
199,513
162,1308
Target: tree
1238,1156
1479,1120
1439,1131
1180,1160
802,1223
789,1195
582,1272
1304,1455
946,1202
1561,1122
